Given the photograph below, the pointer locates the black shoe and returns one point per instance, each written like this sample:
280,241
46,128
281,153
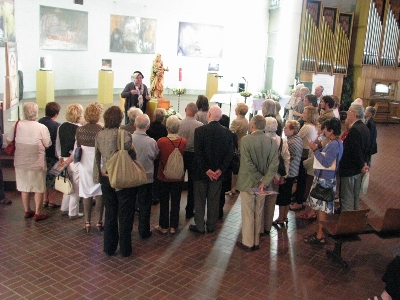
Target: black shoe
210,230
194,229
244,247
338,210
256,247
266,232
146,236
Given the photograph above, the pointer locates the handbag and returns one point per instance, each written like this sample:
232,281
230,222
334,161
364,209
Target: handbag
10,149
281,166
235,163
63,184
322,193
77,154
123,172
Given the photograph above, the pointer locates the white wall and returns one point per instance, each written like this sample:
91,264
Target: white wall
244,52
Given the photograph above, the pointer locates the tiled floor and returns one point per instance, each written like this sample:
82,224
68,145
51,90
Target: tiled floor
56,259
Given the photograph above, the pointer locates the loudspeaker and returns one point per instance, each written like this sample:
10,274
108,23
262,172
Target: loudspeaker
78,2
241,87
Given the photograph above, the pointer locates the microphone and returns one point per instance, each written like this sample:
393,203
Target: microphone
244,79
218,76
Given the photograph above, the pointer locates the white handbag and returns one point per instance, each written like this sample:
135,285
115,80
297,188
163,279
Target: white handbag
63,184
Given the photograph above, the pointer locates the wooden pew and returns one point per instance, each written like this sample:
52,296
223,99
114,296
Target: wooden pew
345,229
389,223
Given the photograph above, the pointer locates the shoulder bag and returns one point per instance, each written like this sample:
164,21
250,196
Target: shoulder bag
122,171
10,149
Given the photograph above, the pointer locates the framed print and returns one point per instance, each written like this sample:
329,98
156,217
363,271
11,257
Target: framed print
7,22
132,34
63,29
200,40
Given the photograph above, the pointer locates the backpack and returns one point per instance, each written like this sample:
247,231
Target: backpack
174,168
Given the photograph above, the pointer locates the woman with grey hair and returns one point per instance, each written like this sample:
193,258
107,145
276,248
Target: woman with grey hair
31,140
268,110
133,112
169,219
283,150
156,131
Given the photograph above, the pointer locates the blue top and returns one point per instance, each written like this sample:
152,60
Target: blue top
333,150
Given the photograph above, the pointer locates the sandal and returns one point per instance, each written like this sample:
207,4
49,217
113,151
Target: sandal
87,227
172,230
100,226
278,222
306,216
312,239
160,229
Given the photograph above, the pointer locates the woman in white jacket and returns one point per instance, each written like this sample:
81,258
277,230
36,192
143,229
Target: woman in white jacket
270,200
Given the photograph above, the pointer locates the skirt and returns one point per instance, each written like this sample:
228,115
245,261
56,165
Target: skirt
320,205
29,181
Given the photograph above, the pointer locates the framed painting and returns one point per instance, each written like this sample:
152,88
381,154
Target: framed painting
346,23
63,29
132,34
314,9
7,22
330,15
200,40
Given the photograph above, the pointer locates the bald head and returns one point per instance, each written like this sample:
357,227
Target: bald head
214,113
358,101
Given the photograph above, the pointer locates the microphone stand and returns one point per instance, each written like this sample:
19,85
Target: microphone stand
231,92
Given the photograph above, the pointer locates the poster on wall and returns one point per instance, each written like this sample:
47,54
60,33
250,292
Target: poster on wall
132,34
63,29
12,87
200,40
7,23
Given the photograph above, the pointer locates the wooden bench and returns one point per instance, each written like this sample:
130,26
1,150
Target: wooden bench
345,229
389,223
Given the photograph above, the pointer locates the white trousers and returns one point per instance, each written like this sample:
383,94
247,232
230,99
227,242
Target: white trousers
70,202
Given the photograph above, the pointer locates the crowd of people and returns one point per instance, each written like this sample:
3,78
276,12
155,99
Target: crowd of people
313,152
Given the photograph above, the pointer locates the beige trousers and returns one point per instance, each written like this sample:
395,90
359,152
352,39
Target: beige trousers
252,211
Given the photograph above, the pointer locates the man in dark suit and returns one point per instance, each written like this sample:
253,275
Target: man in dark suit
213,152
370,112
355,159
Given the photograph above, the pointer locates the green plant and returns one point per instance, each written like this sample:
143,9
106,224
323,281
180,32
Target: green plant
179,91
245,94
268,94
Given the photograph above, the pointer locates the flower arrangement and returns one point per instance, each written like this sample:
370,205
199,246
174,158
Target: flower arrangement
245,94
179,91
172,112
268,94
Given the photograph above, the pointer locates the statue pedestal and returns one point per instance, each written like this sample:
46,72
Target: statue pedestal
156,103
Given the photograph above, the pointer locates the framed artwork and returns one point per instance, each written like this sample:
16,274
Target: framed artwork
346,23
106,64
330,15
200,40
63,29
46,63
132,34
12,80
7,22
314,9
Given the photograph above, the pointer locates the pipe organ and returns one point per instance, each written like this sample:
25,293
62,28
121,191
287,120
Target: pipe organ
381,46
326,36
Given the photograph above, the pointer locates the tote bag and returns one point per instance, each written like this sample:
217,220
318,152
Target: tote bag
122,171
63,184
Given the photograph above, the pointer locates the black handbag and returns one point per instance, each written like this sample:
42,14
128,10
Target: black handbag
235,163
77,154
281,166
321,193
